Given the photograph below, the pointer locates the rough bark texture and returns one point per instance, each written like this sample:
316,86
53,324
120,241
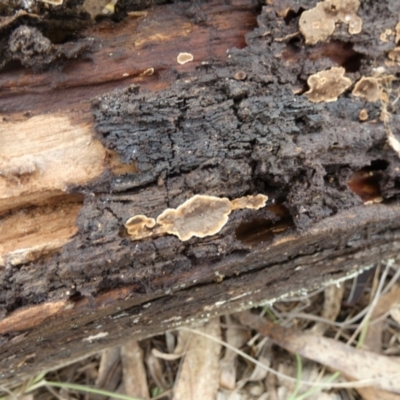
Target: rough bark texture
226,126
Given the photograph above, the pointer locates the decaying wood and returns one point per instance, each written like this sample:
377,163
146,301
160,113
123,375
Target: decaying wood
79,158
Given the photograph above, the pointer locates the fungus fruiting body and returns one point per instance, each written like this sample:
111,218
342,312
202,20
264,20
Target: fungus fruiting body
395,54
347,13
397,31
139,226
53,2
363,115
199,216
109,8
318,23
240,76
385,36
254,202
148,72
327,85
368,89
184,58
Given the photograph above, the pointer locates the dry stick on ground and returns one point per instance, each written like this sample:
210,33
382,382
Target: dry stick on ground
370,369
78,161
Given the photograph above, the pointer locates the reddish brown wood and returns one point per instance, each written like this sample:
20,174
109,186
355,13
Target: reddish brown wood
132,47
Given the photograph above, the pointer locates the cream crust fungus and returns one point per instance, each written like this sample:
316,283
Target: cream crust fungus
327,85
254,202
397,30
184,58
395,54
318,23
139,226
199,216
367,88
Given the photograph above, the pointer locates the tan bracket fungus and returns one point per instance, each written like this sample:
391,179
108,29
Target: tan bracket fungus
318,23
368,88
254,202
363,115
397,30
374,88
53,2
327,85
199,216
184,58
394,55
139,225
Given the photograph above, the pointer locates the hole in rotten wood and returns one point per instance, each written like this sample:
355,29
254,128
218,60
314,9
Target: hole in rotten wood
378,165
76,297
260,230
60,36
366,182
11,66
291,15
341,53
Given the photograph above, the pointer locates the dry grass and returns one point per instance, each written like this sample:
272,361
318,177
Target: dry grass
295,358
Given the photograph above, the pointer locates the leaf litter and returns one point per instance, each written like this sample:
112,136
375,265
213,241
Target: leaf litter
335,343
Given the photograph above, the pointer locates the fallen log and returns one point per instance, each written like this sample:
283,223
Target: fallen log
134,127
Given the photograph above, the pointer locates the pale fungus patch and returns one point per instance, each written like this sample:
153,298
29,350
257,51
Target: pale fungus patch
53,2
240,76
368,88
148,72
139,226
397,31
99,7
184,58
363,115
252,202
199,216
327,85
347,13
109,8
318,23
395,55
385,36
